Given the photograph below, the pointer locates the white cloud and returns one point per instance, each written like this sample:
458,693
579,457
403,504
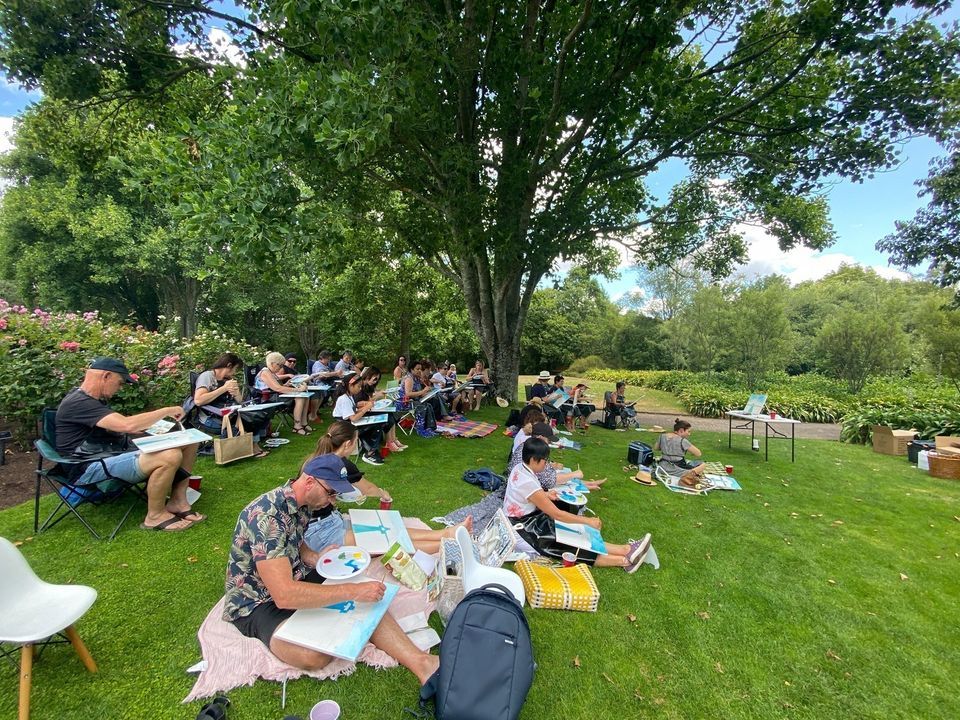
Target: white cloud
222,49
799,264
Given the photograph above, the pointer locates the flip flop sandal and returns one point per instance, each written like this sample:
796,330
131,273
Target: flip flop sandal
300,430
165,525
185,515
260,455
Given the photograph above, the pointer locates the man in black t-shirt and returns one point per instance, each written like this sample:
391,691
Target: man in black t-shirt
85,418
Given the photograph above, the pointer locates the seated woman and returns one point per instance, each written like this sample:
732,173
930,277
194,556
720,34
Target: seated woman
327,526
550,477
525,502
401,369
268,382
412,390
349,408
479,385
673,446
453,399
370,378
438,381
584,407
616,406
216,389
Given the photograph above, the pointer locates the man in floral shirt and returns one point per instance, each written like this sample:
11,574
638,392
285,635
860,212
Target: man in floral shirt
270,572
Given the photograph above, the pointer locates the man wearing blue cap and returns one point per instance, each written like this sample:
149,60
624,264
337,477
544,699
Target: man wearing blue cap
270,573
87,427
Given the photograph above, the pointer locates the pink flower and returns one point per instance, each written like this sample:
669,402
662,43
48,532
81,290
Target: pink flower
69,346
135,377
3,323
23,342
170,362
147,372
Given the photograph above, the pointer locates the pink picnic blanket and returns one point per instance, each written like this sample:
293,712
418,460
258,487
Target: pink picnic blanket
234,659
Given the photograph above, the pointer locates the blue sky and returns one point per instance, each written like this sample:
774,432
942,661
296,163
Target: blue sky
861,213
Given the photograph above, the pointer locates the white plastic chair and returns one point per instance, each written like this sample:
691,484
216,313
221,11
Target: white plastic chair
476,575
32,611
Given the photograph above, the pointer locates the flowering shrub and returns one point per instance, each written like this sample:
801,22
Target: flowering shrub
43,355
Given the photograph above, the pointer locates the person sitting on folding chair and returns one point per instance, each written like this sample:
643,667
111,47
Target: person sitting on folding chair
216,389
86,426
268,382
617,408
322,372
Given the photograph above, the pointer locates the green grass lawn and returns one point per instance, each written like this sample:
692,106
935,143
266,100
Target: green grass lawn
785,600
648,399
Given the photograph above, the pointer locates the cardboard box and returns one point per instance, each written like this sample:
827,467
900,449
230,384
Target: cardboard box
947,444
888,441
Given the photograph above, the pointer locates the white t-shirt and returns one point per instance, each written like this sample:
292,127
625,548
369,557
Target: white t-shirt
438,381
519,439
521,484
345,407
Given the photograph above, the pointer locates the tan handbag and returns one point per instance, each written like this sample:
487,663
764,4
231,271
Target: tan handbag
233,446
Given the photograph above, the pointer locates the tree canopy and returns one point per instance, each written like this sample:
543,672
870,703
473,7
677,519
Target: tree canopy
511,135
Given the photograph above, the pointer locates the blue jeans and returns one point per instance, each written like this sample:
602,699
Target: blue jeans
124,467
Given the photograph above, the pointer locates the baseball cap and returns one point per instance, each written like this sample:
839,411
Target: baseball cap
331,470
545,431
290,356
112,365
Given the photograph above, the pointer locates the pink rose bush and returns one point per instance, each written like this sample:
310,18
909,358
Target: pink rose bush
43,354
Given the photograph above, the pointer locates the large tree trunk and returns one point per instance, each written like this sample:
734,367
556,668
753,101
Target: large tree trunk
497,306
182,298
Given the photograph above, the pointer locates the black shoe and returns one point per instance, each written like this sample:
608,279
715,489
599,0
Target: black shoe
373,459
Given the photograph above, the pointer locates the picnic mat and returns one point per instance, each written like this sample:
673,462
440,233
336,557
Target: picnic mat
466,428
234,659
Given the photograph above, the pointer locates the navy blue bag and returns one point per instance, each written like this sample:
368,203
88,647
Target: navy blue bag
486,659
484,478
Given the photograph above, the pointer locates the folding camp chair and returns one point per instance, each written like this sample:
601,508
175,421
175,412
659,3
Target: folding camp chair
284,414
70,495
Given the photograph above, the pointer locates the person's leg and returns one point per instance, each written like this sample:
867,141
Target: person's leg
189,457
312,407
390,638
160,467
298,656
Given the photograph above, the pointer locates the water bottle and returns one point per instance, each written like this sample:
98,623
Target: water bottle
756,445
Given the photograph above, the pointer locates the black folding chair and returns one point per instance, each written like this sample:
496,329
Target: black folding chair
284,414
73,497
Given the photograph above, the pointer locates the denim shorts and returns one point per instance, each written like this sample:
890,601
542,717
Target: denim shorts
325,531
125,467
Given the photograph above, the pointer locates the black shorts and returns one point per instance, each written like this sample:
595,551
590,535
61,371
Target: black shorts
266,617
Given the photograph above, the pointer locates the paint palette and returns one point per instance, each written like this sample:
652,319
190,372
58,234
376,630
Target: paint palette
343,562
571,497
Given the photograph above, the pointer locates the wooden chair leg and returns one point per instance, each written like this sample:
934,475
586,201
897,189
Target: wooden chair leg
85,656
26,670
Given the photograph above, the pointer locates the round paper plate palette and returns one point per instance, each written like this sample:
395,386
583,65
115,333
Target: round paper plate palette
343,562
276,442
572,497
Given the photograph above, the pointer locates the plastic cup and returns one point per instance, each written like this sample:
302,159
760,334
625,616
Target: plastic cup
325,710
729,469
569,559
386,503
194,482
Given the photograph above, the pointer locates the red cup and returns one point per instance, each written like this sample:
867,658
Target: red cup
569,559
386,503
194,482
729,469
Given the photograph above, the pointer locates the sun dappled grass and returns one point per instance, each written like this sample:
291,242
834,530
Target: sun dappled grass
781,601
648,400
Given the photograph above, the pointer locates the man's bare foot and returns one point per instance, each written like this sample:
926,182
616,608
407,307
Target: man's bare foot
451,532
426,667
166,523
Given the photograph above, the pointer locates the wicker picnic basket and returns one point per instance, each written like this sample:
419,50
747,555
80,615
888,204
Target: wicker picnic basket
450,572
558,588
944,466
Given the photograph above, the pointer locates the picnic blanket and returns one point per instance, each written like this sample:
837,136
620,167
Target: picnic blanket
465,428
234,659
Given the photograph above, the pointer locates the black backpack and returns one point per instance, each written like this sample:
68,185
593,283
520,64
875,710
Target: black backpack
484,478
486,659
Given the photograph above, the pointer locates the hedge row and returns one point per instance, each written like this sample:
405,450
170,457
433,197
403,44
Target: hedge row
43,355
924,403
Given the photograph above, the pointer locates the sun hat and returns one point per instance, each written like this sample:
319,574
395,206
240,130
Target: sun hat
544,375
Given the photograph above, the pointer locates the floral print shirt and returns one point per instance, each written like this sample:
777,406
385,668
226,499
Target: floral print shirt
271,526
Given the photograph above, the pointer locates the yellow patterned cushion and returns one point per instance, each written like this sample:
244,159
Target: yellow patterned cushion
558,588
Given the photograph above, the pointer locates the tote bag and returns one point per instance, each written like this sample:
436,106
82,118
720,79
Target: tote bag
233,446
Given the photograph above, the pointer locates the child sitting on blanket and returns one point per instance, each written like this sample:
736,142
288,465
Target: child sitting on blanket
327,526
530,506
